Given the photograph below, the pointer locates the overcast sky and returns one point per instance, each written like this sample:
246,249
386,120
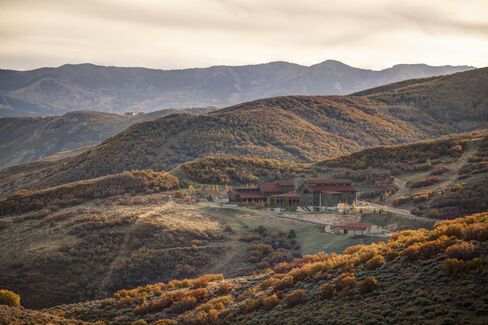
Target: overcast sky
197,33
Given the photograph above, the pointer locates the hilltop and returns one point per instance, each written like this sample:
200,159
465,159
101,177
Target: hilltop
25,139
291,128
417,276
73,87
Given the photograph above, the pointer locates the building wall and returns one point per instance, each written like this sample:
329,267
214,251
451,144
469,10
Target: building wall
324,199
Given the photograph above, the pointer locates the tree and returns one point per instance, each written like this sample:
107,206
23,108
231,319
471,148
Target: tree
292,234
9,298
262,230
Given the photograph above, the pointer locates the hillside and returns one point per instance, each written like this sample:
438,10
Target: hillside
74,193
83,241
24,139
442,177
417,276
291,128
55,91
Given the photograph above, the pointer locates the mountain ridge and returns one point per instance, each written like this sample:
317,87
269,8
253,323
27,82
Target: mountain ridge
290,128
53,91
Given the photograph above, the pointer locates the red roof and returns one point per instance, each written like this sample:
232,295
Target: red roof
250,195
289,195
322,188
356,225
327,181
270,187
285,182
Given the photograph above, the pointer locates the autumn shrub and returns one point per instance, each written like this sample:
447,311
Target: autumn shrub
450,229
256,252
457,268
349,267
9,298
210,317
250,305
177,301
327,291
285,283
391,254
345,281
439,171
185,303
462,251
269,302
367,284
199,283
400,200
217,303
431,180
139,322
295,297
406,238
224,287
353,249
477,232
153,306
375,262
165,322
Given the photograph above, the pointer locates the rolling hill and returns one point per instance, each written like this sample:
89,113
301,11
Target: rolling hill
24,139
290,128
55,91
423,276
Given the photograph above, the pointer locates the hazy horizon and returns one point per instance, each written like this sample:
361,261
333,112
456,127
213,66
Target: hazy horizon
184,34
236,65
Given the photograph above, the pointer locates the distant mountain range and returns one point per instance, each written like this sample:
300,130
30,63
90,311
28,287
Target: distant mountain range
55,91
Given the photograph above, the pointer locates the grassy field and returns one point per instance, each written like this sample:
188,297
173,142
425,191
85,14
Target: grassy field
310,237
390,218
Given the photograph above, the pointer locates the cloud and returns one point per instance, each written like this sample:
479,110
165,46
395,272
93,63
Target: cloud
188,33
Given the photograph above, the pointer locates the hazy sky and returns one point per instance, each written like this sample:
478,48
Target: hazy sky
196,33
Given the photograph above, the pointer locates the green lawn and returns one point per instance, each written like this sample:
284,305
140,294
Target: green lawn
309,236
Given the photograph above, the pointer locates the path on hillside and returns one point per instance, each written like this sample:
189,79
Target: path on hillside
122,252
401,212
233,250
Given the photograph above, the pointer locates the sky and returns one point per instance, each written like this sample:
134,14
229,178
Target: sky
173,34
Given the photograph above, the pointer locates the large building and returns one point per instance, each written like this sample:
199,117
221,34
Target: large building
312,193
259,195
326,193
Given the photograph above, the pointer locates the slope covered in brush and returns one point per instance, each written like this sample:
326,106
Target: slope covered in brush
291,128
459,99
417,276
135,181
442,177
23,139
